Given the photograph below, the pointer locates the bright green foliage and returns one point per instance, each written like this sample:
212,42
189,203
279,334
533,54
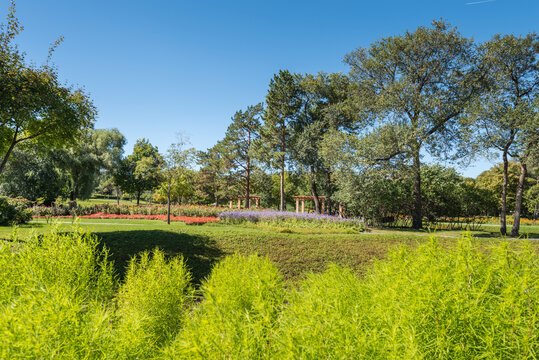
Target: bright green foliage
52,294
242,299
432,303
152,302
458,301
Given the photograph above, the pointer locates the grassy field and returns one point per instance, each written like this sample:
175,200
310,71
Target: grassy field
295,253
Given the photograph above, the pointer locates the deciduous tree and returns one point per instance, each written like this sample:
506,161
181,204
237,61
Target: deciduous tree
140,171
34,105
505,116
417,85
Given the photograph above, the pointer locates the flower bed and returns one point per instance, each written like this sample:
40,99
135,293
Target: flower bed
291,219
189,220
113,209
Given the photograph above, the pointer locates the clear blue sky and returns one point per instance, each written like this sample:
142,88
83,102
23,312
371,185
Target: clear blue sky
154,68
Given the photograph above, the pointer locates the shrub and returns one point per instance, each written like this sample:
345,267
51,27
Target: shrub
14,211
292,220
176,210
432,303
242,299
152,302
53,296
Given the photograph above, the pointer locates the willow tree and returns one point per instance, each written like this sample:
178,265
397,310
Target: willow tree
417,85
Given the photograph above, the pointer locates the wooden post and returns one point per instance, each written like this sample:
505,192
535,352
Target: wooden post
297,205
239,203
230,204
302,206
256,201
323,206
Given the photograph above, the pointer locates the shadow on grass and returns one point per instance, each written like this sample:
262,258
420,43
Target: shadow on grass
199,252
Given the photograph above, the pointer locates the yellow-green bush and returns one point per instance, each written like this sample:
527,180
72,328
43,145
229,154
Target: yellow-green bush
151,303
52,294
242,299
59,299
432,303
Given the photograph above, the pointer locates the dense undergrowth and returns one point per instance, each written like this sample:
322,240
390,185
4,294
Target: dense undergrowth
59,298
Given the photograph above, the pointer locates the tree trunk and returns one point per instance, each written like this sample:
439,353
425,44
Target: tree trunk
329,203
282,204
168,203
248,187
314,193
9,150
117,196
518,201
248,175
283,149
138,198
417,216
503,223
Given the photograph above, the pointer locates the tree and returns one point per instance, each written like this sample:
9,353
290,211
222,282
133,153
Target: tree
532,200
504,113
177,161
283,104
416,85
213,180
33,104
96,151
239,141
33,175
493,179
140,171
325,105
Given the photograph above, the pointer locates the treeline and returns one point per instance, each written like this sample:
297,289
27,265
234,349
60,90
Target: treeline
359,139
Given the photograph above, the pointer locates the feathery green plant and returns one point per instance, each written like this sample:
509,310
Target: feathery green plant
242,299
457,303
152,303
53,294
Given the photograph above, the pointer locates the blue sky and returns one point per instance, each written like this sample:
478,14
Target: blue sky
154,68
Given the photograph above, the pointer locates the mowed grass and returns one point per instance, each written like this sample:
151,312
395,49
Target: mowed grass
295,254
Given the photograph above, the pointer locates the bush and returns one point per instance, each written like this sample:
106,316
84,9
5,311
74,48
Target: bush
177,210
59,299
53,292
292,220
432,303
242,299
152,302
14,211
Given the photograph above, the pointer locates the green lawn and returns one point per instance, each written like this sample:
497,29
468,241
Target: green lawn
294,253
